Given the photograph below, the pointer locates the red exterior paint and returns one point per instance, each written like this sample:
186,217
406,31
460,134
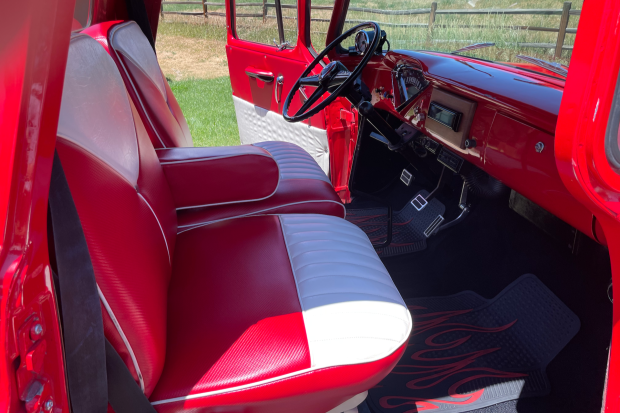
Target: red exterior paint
32,66
579,146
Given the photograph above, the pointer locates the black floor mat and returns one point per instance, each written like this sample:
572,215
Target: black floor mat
467,352
408,225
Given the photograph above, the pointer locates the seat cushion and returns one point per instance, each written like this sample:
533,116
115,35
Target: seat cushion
293,161
300,315
304,189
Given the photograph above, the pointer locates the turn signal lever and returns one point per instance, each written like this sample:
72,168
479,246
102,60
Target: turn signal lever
395,139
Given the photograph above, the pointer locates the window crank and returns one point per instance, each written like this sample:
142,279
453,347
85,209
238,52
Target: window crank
283,46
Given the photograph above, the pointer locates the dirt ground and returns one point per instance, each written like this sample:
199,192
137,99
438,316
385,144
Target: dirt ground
185,57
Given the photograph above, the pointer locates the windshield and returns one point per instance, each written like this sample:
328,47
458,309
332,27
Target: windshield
544,29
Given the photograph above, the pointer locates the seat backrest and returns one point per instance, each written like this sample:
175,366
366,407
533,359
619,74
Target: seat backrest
124,204
147,86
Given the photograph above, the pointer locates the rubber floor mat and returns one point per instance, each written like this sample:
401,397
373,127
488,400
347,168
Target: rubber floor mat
408,225
466,352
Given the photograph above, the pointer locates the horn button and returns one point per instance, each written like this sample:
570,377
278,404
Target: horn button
330,71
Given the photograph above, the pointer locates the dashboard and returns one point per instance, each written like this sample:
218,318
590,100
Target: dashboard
502,119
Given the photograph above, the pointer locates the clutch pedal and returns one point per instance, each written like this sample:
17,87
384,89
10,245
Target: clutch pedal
406,177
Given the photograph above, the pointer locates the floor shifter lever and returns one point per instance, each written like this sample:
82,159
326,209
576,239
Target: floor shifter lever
465,210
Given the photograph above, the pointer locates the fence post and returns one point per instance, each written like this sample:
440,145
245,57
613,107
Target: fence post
431,20
264,11
562,32
162,10
204,9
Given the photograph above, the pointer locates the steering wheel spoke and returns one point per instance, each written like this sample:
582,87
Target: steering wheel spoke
312,99
309,81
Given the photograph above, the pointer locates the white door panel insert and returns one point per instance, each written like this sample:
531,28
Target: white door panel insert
258,125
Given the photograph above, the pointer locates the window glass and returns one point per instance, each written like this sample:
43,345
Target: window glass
289,20
81,14
320,16
457,24
256,21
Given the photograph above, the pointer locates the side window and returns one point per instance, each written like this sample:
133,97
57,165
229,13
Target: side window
257,21
81,14
320,16
543,29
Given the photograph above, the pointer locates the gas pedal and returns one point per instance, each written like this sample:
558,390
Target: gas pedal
433,226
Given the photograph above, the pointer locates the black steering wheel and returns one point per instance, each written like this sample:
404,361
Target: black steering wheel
335,78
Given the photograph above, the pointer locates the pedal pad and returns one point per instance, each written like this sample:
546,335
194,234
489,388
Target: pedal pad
406,177
433,226
419,202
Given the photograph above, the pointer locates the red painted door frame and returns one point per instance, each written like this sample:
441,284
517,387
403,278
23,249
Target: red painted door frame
33,52
580,140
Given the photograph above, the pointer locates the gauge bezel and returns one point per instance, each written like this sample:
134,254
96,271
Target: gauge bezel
358,40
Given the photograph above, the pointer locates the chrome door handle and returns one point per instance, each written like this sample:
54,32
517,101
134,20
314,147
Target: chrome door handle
279,87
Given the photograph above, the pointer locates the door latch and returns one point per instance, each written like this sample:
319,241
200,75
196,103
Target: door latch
279,87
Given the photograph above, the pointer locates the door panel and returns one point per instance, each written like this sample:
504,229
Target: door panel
258,103
259,100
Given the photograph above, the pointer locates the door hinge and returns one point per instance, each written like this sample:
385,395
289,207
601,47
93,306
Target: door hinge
33,387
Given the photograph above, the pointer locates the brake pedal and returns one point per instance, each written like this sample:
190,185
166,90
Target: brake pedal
433,226
419,202
406,177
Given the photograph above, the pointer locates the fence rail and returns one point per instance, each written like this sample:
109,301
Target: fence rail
562,30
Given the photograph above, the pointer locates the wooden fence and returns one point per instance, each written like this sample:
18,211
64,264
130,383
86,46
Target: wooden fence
432,12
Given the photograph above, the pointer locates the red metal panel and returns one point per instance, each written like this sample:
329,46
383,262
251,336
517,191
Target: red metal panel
579,145
342,135
32,62
510,153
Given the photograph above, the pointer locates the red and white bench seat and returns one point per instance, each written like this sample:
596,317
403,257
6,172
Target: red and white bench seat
271,313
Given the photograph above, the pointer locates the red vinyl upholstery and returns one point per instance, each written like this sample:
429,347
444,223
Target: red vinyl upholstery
201,177
167,128
270,313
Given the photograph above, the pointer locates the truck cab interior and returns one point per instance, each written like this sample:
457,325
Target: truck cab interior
398,232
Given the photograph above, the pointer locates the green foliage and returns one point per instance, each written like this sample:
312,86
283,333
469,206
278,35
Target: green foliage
208,107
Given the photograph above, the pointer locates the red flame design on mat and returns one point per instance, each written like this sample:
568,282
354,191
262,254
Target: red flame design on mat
431,375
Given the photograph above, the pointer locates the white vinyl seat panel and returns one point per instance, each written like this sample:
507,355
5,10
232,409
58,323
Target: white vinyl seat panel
293,161
352,311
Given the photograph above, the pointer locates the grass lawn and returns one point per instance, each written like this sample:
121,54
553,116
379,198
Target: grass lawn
208,107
